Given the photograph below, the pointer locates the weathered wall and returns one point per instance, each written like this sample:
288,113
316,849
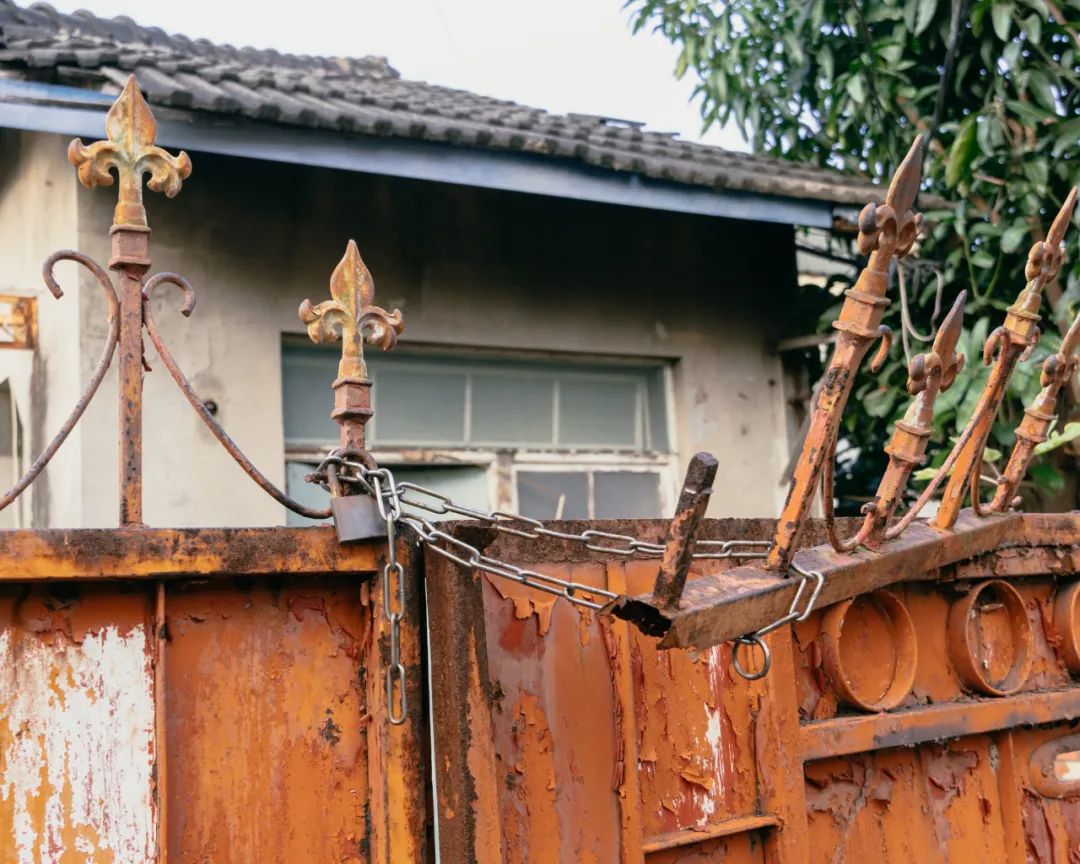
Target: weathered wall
37,216
469,268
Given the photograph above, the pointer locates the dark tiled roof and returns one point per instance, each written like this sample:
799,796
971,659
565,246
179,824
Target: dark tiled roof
366,95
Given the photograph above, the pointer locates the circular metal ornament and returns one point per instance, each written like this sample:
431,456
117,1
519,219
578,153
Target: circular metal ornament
854,660
981,648
1067,622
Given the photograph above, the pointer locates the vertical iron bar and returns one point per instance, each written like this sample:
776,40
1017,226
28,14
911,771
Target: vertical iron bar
160,728
130,259
679,549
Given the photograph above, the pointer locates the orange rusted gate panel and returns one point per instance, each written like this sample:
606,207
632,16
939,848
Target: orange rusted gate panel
206,694
897,691
770,691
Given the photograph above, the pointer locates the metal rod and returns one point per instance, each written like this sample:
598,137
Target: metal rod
885,232
679,548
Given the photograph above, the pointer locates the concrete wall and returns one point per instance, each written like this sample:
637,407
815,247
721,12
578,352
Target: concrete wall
468,267
38,214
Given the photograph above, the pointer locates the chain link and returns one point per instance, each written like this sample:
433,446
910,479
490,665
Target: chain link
393,609
391,497
794,613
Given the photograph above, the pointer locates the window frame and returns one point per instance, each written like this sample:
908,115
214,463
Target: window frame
501,463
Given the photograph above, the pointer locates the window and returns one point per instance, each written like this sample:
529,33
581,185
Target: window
548,439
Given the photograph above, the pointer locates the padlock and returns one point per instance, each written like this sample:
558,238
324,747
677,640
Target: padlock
357,517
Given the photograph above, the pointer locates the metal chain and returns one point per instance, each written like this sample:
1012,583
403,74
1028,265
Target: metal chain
757,638
391,496
393,598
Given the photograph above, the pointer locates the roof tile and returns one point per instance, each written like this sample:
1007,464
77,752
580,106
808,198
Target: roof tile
366,95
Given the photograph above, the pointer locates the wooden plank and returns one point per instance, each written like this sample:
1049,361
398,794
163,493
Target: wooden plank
846,735
724,605
161,553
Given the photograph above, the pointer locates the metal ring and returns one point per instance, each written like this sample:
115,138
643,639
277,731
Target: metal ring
751,640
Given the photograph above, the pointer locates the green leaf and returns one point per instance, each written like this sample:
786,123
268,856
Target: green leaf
1014,235
1030,115
1058,439
681,64
1033,27
1001,15
925,15
825,61
879,402
1047,477
1068,133
1042,90
964,149
856,89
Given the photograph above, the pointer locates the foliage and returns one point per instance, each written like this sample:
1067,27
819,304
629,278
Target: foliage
848,84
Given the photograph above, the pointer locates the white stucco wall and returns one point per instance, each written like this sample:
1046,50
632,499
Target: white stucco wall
468,268
38,215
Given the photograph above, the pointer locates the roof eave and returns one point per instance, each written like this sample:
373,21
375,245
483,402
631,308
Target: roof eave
41,107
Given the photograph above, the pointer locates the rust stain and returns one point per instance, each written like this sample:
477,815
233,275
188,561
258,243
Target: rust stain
527,601
265,718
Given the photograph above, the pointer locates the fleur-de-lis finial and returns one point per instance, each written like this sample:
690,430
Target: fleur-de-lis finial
937,370
1044,259
351,315
893,227
130,149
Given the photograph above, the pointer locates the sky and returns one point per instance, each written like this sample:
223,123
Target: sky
561,55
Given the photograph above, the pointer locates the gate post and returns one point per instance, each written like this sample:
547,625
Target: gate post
466,784
398,779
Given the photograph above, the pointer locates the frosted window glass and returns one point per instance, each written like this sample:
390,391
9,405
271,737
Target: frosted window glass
598,413
419,406
308,494
466,485
512,409
627,495
540,493
307,374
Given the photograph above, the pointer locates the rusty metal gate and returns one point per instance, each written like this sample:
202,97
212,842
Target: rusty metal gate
202,695
684,691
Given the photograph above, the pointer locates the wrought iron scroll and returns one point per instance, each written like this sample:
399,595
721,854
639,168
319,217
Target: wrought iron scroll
886,232
99,372
129,151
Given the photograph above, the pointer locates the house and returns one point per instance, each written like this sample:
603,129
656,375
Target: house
587,303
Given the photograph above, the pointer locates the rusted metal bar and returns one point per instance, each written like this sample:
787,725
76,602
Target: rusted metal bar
1004,348
99,372
161,765
161,553
352,317
679,549
845,735
724,605
129,150
696,835
466,776
928,375
1039,418
885,232
397,762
